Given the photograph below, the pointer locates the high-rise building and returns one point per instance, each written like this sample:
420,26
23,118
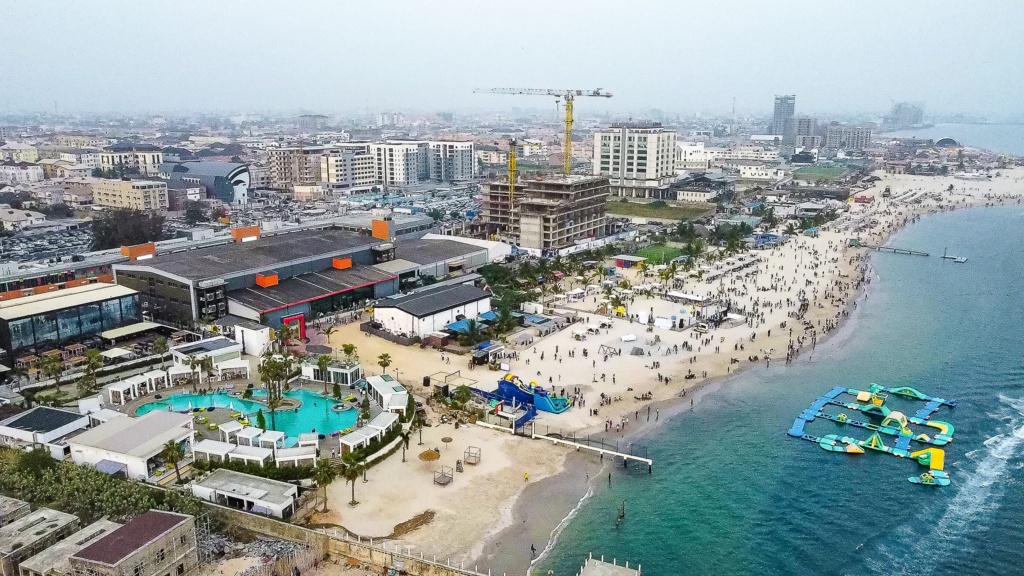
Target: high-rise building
782,119
638,159
291,165
348,169
549,214
905,115
451,161
148,195
399,163
806,126
146,158
848,138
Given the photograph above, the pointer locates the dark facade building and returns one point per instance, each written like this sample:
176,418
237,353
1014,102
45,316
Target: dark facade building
43,321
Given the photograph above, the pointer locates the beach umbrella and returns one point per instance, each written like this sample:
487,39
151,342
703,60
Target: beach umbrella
446,439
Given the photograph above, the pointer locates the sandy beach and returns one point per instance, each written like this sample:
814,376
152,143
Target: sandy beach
491,514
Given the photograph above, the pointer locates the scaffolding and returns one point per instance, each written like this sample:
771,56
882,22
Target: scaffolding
292,563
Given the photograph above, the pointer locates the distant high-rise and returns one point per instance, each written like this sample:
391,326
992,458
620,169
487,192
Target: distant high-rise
782,120
637,157
905,115
806,126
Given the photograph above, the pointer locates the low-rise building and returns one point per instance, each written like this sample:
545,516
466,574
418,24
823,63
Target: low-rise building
431,310
11,509
81,141
56,561
154,543
88,157
148,195
19,152
42,427
248,493
31,534
134,443
388,392
144,158
14,219
20,172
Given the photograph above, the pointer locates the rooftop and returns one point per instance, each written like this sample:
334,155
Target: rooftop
261,255
127,539
248,486
42,419
55,559
32,528
429,251
10,505
139,437
430,302
60,299
205,346
306,287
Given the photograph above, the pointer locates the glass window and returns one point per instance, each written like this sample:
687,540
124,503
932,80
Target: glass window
111,313
67,323
21,334
130,308
90,319
45,326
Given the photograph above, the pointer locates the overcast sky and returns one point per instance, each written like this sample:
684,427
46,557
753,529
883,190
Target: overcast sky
374,55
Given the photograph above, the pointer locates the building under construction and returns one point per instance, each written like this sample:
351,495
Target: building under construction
550,213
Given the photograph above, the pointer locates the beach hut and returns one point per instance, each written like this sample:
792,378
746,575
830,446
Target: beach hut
248,436
229,430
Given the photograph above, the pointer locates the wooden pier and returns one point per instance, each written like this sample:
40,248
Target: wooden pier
894,250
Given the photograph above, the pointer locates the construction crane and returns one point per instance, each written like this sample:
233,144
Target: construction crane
568,95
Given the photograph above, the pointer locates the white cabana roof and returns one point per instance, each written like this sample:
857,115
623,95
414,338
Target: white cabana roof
271,436
297,453
684,296
154,374
230,426
115,353
358,437
309,437
383,421
180,369
128,330
215,447
122,386
233,364
628,338
251,453
249,432
576,292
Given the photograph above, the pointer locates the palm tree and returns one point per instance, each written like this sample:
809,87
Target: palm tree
283,334
206,365
330,331
93,362
323,361
349,350
473,334
272,372
160,347
194,365
643,268
52,367
352,468
790,230
324,474
173,454
384,360
617,302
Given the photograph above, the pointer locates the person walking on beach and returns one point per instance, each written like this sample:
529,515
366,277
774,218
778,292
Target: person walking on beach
526,476
533,551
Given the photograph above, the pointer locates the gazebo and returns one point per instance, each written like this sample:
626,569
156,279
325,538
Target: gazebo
235,368
298,456
212,450
248,436
156,379
272,439
179,374
121,392
229,430
308,439
261,456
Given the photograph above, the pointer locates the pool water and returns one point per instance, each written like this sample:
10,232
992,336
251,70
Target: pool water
314,415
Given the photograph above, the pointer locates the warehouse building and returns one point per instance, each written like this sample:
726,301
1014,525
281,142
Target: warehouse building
431,310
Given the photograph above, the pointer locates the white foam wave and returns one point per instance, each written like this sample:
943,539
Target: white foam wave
977,497
558,529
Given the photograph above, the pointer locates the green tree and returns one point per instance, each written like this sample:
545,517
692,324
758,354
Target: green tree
323,361
463,395
364,409
473,335
93,362
125,227
173,454
261,420
194,364
160,348
336,391
790,230
352,468
52,367
324,474
273,373
349,350
384,360
36,461
195,212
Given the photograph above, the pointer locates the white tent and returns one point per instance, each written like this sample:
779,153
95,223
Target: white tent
628,338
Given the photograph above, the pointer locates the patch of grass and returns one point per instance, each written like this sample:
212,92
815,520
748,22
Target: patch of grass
662,213
658,254
818,173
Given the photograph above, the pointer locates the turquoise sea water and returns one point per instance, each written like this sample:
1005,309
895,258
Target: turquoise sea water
1006,138
314,415
732,494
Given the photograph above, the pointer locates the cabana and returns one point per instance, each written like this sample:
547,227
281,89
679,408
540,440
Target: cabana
272,439
575,294
180,375
122,392
156,379
298,456
308,439
248,436
356,439
383,422
229,431
212,450
251,454
235,368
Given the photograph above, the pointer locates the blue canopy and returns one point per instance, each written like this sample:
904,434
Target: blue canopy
111,467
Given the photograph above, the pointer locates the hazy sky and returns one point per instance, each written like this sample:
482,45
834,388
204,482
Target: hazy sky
373,55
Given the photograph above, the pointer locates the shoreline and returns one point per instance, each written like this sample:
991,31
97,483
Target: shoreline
528,504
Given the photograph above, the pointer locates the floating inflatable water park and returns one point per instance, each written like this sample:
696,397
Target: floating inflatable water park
888,431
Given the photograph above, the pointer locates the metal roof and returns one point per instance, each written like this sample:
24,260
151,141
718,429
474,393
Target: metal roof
43,419
135,534
140,437
307,287
422,304
248,486
60,299
431,251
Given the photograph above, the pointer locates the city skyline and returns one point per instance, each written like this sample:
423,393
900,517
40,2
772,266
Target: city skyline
189,57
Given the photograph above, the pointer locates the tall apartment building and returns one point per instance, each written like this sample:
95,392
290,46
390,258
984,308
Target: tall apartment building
146,158
400,163
549,214
347,169
291,165
638,159
782,119
452,161
18,152
149,195
806,126
847,137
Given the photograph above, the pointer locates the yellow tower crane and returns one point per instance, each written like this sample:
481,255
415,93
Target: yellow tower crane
569,96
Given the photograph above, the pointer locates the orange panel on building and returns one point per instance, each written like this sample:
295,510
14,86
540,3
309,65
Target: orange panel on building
77,282
266,280
139,250
45,288
244,232
11,294
381,229
105,278
342,263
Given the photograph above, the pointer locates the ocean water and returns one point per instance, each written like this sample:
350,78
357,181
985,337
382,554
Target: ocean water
1005,138
732,494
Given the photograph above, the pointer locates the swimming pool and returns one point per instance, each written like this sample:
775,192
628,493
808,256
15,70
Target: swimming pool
314,415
